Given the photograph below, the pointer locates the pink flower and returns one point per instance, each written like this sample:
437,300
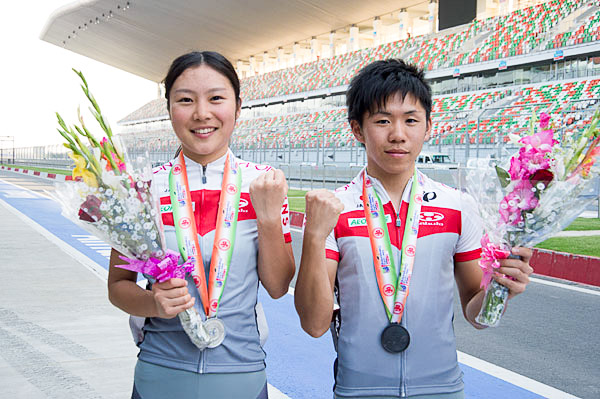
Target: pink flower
543,140
490,253
522,198
517,170
532,159
117,161
544,120
524,194
509,209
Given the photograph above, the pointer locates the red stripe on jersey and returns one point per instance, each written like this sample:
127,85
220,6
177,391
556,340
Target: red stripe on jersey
206,206
467,256
333,255
439,220
433,220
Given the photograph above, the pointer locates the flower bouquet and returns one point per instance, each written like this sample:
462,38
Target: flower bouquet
545,187
111,198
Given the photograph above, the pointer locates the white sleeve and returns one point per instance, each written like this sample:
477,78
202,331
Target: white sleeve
469,242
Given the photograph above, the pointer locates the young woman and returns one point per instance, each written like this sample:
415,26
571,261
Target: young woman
203,99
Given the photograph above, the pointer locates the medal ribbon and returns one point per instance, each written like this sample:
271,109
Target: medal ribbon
187,235
393,288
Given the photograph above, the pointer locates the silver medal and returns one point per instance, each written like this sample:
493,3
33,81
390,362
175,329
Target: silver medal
216,331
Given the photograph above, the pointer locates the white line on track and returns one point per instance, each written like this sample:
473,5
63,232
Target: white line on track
516,379
565,286
37,195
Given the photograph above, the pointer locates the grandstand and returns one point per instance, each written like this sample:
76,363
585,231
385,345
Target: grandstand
512,68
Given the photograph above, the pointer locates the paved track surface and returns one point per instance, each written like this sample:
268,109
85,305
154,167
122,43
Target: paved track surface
61,338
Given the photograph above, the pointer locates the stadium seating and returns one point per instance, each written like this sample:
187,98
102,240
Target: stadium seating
587,31
456,118
520,32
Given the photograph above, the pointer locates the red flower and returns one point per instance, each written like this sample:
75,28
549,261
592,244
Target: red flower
90,209
542,175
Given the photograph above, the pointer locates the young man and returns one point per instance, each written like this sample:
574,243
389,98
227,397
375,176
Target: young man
391,343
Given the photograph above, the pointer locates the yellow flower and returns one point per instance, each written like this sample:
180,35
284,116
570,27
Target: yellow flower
88,177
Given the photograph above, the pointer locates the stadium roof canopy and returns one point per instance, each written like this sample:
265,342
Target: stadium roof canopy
143,37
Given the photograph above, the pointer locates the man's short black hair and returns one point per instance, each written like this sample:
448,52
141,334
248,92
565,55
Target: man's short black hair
371,88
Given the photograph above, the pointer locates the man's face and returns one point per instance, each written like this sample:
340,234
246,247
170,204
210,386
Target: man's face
393,136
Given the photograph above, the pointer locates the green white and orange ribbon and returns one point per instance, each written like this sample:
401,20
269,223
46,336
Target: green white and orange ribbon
392,288
187,235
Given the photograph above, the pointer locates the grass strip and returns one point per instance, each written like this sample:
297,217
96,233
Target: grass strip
584,245
296,200
583,224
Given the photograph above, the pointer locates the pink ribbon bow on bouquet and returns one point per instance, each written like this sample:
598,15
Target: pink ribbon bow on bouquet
161,270
490,253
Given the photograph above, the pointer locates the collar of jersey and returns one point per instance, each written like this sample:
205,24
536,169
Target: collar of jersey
383,195
212,168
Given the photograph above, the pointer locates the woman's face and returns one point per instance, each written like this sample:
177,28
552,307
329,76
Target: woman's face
203,112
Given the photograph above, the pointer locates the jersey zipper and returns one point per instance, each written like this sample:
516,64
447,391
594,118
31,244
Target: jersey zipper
204,174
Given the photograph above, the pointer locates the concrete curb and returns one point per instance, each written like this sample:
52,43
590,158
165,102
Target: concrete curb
44,175
576,268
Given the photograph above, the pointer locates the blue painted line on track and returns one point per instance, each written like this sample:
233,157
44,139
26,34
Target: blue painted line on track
298,365
47,213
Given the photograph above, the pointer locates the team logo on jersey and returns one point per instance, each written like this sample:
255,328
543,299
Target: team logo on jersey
388,290
378,232
410,250
176,169
166,208
243,204
429,196
431,216
185,223
358,222
224,244
231,189
398,308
